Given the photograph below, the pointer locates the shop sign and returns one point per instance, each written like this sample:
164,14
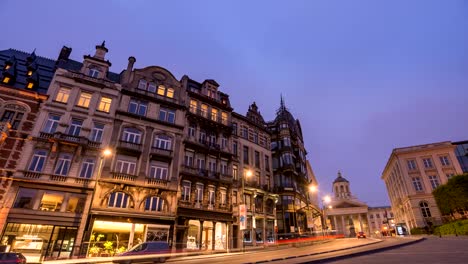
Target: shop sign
243,217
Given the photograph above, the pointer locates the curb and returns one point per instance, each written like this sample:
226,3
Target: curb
376,250
316,253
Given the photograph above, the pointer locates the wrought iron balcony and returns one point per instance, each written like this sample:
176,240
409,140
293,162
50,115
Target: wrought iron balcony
161,152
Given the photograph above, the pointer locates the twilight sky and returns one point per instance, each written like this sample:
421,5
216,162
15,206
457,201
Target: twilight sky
363,76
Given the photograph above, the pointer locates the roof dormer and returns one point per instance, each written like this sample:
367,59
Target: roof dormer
9,71
96,66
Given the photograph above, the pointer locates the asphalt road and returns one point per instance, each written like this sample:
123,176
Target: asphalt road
432,250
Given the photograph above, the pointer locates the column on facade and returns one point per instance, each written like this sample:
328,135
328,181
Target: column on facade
200,235
146,149
264,235
360,223
343,225
213,237
131,236
334,222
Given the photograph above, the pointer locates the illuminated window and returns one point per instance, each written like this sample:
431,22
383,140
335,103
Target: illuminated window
204,110
6,79
161,90
29,73
51,201
224,118
84,100
7,67
105,104
170,93
193,106
214,114
30,85
63,95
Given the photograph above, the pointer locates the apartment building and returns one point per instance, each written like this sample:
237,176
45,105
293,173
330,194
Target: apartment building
56,174
291,180
204,213
252,166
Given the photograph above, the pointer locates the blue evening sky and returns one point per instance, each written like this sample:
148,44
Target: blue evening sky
363,76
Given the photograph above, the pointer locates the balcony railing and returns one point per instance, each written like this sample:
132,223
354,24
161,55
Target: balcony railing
207,115
123,176
129,145
70,138
58,178
156,182
204,205
160,151
47,178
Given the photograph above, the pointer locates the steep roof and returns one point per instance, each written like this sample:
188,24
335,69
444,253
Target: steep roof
44,73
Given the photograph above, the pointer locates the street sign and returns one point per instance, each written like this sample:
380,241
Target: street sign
243,217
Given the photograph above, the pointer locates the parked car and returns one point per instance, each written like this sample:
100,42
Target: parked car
146,248
12,258
361,235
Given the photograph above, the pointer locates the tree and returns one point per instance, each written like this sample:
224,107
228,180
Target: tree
453,196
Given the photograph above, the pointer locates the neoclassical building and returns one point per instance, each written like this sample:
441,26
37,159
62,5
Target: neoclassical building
411,174
345,213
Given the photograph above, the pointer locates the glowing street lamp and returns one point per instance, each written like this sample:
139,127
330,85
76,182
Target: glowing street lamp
243,209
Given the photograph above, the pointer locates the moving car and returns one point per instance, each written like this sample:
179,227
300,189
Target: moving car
145,248
361,235
12,258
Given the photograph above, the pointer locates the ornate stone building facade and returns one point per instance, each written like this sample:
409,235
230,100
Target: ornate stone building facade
291,180
411,174
252,164
24,80
204,213
55,176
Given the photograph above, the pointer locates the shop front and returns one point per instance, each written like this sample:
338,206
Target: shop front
113,235
209,231
39,242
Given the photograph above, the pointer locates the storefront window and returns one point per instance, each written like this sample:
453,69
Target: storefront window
76,204
259,230
270,231
51,201
193,234
220,236
248,231
25,198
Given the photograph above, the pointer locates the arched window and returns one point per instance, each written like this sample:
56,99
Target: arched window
154,204
425,211
341,188
131,135
118,200
162,142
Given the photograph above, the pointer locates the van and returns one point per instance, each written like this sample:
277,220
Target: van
146,248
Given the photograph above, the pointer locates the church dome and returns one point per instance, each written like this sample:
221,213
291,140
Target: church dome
340,178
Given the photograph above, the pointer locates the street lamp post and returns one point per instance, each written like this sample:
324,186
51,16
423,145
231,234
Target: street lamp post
325,200
105,153
248,173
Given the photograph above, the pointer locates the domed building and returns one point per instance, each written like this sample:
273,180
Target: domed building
345,213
